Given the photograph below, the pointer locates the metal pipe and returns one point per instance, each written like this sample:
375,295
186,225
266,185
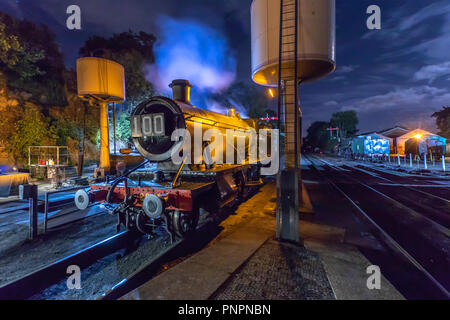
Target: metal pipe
114,126
104,138
178,173
45,212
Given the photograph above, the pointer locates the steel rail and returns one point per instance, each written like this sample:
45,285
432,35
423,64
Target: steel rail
404,186
435,224
384,234
179,248
37,281
134,280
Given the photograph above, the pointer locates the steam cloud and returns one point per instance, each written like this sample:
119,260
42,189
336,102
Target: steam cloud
190,50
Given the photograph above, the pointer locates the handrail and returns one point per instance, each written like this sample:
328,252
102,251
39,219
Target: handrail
178,173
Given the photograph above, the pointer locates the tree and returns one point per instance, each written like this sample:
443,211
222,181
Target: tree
29,128
123,130
16,57
76,125
31,61
346,121
443,121
318,136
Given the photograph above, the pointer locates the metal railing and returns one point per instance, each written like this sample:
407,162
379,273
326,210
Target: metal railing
46,203
408,161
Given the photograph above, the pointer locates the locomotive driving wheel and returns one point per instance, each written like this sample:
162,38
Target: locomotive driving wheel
184,223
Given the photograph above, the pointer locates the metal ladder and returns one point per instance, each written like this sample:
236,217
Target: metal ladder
288,188
288,107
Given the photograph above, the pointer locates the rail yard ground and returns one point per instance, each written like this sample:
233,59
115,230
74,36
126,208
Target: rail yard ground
355,215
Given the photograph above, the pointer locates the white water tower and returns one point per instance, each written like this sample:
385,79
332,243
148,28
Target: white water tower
102,81
293,41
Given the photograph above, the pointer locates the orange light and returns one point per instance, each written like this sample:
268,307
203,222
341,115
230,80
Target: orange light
271,93
418,136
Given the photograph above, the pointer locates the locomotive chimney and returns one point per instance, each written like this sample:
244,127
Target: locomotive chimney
181,90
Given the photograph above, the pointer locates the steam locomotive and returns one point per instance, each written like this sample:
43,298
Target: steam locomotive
162,192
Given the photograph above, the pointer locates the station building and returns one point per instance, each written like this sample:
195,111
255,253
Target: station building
402,139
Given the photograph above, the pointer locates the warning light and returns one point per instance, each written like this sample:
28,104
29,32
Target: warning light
268,118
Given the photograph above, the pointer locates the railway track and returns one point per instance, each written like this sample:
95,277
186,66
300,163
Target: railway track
41,279
36,282
60,216
178,251
433,207
421,241
19,205
438,194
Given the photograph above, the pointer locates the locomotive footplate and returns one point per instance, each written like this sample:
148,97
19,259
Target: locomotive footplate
179,198
148,205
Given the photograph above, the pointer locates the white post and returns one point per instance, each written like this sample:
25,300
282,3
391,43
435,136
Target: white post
398,158
443,163
410,160
425,161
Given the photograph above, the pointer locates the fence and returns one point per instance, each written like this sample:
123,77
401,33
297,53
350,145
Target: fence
409,161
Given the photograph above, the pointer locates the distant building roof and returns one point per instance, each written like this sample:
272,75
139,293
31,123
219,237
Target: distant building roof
421,132
375,135
394,132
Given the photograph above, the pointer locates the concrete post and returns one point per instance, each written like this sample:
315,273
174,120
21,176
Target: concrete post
30,192
443,163
398,159
410,160
425,161
287,206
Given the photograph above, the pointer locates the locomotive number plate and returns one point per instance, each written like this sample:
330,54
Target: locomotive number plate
148,125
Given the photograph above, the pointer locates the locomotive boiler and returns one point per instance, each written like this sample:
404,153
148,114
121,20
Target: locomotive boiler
163,191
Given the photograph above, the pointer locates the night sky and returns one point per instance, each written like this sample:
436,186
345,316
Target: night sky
398,75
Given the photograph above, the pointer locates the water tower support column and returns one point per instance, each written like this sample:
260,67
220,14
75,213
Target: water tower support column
104,138
296,38
288,79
